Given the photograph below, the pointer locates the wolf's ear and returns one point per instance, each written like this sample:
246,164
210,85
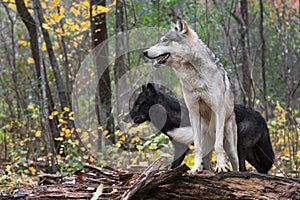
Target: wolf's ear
180,26
144,88
151,89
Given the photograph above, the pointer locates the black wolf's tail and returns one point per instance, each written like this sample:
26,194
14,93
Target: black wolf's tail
263,152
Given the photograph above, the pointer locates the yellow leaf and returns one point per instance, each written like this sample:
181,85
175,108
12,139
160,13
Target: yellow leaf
91,159
24,43
30,60
135,139
32,169
34,116
59,139
56,46
105,132
89,146
43,4
62,121
38,134
46,26
68,133
85,25
74,11
286,152
66,109
123,138
86,4
62,133
44,48
50,116
78,130
119,144
62,11
58,30
119,132
96,10
55,2
54,113
30,107
12,6
115,190
298,154
69,21
56,17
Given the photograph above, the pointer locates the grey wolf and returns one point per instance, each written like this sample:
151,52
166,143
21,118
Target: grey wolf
206,91
254,143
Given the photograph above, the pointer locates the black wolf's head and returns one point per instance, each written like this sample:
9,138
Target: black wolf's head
174,45
146,99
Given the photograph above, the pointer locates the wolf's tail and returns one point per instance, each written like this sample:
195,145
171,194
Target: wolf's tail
263,152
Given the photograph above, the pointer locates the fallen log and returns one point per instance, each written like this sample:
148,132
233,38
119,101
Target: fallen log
155,183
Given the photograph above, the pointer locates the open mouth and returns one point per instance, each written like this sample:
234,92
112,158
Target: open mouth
138,120
161,59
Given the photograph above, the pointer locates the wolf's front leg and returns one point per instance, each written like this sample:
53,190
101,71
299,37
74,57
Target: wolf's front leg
197,134
220,157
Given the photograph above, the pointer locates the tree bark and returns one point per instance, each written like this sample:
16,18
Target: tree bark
263,67
32,27
247,74
103,94
119,69
154,183
58,79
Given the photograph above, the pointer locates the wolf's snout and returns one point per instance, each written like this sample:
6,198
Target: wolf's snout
145,53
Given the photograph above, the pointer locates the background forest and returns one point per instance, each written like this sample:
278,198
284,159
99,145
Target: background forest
44,44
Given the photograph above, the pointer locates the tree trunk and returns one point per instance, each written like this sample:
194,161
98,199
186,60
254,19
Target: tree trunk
32,28
247,74
119,68
58,79
154,183
103,94
263,67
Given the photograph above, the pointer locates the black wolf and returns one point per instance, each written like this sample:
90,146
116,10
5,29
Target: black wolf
254,143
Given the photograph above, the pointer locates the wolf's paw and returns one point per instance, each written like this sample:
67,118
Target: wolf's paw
222,168
196,170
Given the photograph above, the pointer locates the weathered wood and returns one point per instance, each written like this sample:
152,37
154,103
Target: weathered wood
232,185
155,183
140,181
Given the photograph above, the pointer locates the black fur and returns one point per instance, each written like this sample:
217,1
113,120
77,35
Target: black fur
254,143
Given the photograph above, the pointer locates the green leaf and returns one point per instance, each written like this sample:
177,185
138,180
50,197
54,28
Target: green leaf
98,192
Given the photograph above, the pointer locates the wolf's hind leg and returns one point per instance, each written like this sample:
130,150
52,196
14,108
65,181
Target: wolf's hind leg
230,143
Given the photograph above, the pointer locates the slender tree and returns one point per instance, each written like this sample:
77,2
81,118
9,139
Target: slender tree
243,22
103,94
45,93
119,68
62,94
263,49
